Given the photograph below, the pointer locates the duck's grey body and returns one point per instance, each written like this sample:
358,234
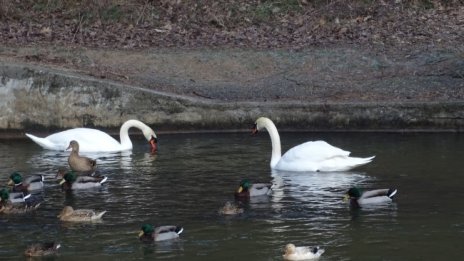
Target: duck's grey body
166,233
35,182
378,196
86,182
372,197
18,197
149,233
71,181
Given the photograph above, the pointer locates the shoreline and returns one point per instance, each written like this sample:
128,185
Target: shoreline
181,95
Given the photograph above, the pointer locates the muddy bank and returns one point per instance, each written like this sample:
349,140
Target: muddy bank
40,99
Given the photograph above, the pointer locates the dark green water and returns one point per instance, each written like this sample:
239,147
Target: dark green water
193,175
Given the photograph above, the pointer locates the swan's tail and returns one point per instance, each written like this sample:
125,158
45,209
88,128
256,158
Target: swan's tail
42,142
356,162
344,163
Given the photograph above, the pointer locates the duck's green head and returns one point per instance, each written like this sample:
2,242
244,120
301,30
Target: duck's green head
4,194
146,229
354,192
69,177
16,178
245,184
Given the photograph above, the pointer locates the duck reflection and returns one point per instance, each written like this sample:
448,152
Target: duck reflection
163,247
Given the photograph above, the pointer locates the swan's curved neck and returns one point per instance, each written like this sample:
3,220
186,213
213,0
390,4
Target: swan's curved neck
126,143
275,141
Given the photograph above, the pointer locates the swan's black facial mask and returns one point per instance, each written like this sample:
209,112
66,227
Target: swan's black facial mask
254,130
154,144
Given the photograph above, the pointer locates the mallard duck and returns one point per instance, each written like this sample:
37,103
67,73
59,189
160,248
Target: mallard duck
62,171
358,198
71,181
308,156
230,209
150,234
34,182
80,163
13,197
246,189
42,249
79,215
9,206
302,253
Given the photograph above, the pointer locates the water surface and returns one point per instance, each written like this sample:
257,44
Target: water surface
193,175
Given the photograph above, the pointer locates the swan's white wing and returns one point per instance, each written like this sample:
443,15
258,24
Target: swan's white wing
315,151
90,140
319,156
342,163
309,156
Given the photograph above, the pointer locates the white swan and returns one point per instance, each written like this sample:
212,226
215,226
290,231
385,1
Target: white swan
309,156
92,140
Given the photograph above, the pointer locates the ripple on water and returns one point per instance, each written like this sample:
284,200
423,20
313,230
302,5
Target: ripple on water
192,176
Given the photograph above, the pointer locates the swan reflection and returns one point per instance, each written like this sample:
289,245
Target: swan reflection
308,184
48,161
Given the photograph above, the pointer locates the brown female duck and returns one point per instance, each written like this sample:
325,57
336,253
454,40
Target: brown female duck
80,215
79,163
42,249
230,209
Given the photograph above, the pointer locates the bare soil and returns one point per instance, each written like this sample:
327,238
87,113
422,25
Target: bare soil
318,51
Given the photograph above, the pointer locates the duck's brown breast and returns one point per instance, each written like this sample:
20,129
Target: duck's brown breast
81,164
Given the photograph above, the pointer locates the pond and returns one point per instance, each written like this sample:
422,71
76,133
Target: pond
193,175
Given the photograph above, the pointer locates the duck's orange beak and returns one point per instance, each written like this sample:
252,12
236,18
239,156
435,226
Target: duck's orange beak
154,144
